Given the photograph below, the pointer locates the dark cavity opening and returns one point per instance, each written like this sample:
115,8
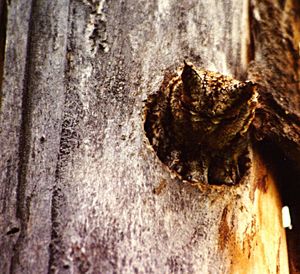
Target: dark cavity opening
14,230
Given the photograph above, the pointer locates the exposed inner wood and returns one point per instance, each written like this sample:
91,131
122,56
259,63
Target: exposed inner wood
275,67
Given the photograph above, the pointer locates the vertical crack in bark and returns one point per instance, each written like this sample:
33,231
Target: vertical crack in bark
251,44
3,24
65,147
22,210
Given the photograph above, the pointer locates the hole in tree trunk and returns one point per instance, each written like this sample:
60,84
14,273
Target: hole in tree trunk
198,125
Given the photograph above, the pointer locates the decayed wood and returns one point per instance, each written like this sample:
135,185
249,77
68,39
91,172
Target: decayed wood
81,188
276,70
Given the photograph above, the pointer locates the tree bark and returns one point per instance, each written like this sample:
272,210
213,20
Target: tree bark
82,190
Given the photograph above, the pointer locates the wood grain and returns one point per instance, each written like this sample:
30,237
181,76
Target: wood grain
77,171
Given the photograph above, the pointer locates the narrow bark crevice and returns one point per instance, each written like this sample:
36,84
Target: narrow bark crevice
3,24
251,44
22,210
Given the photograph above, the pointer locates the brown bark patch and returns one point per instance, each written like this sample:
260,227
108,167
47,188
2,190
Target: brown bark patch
160,188
224,230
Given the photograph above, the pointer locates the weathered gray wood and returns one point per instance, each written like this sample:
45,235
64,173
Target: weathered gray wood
11,116
107,218
33,96
78,173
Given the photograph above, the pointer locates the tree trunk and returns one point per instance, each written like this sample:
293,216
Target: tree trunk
83,191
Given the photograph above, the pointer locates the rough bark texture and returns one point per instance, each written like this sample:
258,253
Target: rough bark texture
82,191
